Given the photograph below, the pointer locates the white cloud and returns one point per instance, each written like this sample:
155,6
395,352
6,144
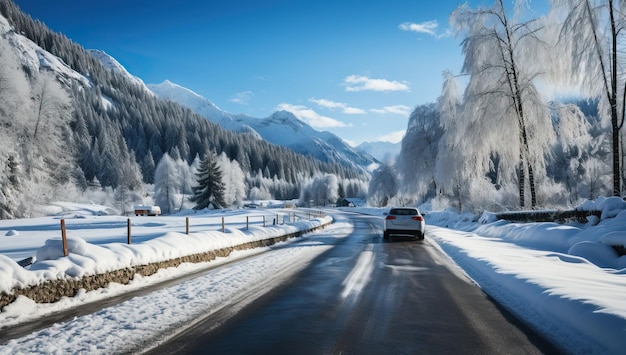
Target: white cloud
392,137
242,98
394,109
310,116
363,83
338,105
428,27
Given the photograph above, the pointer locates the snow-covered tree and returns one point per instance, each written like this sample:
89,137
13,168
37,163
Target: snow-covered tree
14,93
454,171
167,184
10,186
257,193
578,155
501,99
417,160
209,190
234,181
590,54
383,186
323,190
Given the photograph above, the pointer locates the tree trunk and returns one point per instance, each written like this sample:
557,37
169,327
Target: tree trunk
617,188
616,160
522,182
531,182
531,174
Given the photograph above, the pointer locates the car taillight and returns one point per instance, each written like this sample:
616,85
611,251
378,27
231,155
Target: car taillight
390,217
417,218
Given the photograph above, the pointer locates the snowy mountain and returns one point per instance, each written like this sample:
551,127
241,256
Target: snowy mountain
284,128
281,128
168,90
112,64
383,151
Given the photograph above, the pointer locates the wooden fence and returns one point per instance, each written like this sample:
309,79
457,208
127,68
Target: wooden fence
273,219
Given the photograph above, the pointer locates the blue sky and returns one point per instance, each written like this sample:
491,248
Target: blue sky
355,68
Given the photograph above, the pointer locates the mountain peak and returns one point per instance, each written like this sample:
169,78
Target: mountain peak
168,90
286,118
112,64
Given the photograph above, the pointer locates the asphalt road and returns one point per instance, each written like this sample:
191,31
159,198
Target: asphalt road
366,296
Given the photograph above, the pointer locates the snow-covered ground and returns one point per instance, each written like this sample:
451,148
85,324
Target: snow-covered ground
564,280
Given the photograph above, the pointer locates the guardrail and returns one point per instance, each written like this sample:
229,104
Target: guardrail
547,215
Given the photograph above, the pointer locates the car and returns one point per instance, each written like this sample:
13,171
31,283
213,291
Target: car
404,221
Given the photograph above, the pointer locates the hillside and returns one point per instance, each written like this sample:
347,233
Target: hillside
72,124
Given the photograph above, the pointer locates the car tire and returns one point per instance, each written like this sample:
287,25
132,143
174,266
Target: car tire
385,236
419,236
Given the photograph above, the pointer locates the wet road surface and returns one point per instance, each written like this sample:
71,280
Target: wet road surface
366,296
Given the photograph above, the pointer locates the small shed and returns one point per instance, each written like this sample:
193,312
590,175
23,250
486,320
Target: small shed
142,210
350,202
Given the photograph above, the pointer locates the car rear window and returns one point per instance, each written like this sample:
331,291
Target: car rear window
403,211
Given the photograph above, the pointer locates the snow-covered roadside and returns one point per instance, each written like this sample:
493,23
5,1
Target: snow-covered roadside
122,328
93,255
89,259
566,298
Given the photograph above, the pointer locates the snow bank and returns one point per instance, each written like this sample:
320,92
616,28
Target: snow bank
90,259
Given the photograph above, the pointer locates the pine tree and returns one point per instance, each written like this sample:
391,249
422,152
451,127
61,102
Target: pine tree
210,188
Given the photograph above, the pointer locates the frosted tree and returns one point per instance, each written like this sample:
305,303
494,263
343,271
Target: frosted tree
591,55
454,168
167,184
234,181
257,193
416,162
9,187
209,190
501,99
51,111
14,93
321,190
383,186
578,154
128,191
327,188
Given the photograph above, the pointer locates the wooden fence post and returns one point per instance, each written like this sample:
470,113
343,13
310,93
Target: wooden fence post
263,220
247,223
64,237
223,226
128,238
187,225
